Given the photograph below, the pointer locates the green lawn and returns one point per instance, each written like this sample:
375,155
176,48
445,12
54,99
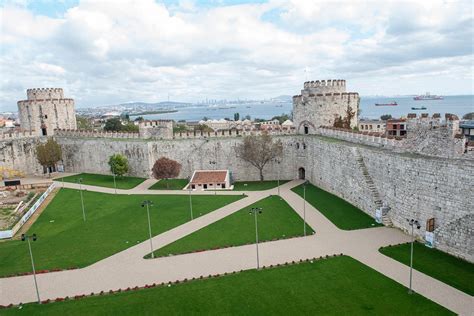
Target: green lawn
114,223
341,213
257,185
448,269
102,180
335,286
278,220
169,184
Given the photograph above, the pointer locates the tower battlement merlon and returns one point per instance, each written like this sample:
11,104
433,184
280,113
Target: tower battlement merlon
45,93
324,86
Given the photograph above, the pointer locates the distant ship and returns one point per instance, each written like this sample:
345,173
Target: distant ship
393,103
428,96
420,108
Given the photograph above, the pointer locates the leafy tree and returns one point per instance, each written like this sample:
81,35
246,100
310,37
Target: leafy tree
83,123
113,124
258,120
118,164
139,119
165,168
346,121
385,117
203,128
236,116
281,118
179,128
259,150
129,127
205,118
338,122
468,116
48,154
247,117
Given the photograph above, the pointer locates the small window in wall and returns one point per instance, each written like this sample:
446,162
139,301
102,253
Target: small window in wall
45,116
430,225
44,132
304,146
205,186
297,145
306,130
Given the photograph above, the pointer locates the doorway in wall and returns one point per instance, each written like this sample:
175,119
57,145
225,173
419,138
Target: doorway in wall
306,129
301,173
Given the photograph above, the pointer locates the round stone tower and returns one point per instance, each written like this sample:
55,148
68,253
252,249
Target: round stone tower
46,110
321,103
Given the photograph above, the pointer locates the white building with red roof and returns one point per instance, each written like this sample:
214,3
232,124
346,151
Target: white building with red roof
210,180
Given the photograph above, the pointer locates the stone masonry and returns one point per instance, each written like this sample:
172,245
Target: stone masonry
46,110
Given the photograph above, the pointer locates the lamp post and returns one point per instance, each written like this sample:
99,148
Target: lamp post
213,162
190,189
255,211
278,179
147,204
115,184
413,223
82,199
28,238
304,206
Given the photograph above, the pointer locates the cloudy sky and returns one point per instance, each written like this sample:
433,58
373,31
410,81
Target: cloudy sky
113,51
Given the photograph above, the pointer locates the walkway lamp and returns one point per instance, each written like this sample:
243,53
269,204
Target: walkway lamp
115,183
147,204
304,206
82,199
190,189
278,178
255,211
28,238
413,223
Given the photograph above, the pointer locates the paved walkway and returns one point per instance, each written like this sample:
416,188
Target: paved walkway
129,269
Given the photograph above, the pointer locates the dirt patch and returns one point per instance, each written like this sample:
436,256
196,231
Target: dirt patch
35,216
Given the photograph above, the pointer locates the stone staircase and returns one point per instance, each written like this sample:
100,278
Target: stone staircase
372,188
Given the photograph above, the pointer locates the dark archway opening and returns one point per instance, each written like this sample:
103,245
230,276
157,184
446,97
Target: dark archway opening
306,130
43,132
301,173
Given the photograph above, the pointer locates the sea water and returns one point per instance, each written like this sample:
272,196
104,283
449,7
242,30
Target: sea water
458,105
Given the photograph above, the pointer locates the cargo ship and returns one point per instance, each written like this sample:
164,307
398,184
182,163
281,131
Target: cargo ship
420,108
387,104
428,96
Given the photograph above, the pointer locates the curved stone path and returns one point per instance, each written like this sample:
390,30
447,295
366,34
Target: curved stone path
129,269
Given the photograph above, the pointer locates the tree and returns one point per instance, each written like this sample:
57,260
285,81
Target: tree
165,168
118,164
468,116
48,154
84,123
203,128
281,118
113,124
385,117
139,119
179,128
346,121
338,122
236,116
247,117
259,150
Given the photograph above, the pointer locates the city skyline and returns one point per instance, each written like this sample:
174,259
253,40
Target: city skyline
100,53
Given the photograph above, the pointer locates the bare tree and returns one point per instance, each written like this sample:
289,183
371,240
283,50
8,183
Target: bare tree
48,154
259,150
165,168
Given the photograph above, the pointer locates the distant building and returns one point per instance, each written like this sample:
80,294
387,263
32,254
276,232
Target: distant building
396,127
467,129
378,126
209,180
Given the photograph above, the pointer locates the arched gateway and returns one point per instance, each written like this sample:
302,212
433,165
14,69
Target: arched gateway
301,173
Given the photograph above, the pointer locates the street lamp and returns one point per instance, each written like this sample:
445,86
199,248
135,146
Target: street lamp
28,238
190,189
213,162
149,203
304,205
115,184
413,223
255,211
278,178
82,199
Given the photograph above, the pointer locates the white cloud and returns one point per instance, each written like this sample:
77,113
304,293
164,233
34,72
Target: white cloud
116,51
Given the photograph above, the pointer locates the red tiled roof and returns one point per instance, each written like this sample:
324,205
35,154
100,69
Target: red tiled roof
205,176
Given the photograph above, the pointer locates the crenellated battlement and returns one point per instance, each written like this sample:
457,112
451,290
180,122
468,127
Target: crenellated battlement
325,83
230,133
94,134
45,93
18,135
60,101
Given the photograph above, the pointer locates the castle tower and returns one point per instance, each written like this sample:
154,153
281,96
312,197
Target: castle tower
45,110
321,103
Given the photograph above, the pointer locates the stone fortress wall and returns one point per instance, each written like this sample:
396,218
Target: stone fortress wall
320,103
412,184
45,110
